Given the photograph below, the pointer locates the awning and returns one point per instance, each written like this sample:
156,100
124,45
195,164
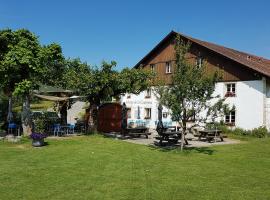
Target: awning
50,89
52,98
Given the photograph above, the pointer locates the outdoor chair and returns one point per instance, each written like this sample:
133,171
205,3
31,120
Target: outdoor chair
71,128
12,128
57,129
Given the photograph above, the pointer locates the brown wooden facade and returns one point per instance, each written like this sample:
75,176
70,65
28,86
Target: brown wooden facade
164,52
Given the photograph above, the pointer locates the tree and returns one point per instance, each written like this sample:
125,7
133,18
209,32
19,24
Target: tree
24,64
191,90
103,83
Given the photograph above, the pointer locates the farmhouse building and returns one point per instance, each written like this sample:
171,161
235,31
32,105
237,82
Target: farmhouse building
245,82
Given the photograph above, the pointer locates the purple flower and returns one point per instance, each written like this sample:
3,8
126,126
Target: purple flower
38,136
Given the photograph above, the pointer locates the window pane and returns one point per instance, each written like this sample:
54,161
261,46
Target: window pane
233,116
227,118
233,88
228,87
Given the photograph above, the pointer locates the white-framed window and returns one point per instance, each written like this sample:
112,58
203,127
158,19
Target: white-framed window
168,68
148,93
128,96
153,67
199,62
147,113
165,115
128,113
230,118
230,90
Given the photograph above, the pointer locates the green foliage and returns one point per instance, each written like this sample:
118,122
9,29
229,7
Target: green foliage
3,109
25,63
40,124
191,89
103,83
260,132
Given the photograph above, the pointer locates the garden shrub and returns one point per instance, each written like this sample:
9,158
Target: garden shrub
260,132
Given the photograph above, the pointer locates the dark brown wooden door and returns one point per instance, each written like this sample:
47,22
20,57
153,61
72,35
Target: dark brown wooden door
109,117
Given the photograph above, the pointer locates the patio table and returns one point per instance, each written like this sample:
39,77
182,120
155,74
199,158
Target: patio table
170,136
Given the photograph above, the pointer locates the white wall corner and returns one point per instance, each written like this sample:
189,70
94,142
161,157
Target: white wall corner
264,101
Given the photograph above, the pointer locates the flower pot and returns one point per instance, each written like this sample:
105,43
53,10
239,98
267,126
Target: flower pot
38,142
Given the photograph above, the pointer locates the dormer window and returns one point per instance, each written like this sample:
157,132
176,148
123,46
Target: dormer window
230,90
168,67
152,67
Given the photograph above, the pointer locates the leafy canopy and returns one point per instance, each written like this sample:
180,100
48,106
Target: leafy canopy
24,62
105,82
191,90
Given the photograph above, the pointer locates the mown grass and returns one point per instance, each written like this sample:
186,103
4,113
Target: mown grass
93,167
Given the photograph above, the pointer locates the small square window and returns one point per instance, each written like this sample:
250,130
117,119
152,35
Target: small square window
165,115
152,67
199,62
128,96
168,67
230,90
230,118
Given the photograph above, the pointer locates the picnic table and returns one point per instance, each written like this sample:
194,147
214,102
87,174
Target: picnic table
210,134
137,132
171,136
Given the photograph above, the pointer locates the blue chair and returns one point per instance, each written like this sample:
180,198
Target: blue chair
11,126
71,128
56,129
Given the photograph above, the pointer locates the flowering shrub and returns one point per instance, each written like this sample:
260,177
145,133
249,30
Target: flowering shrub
230,94
39,128
38,136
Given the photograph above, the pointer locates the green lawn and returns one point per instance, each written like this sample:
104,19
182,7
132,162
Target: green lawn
94,167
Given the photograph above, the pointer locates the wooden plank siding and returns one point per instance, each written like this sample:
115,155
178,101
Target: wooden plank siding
231,70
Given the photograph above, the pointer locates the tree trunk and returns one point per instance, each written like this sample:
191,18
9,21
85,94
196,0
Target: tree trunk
92,120
183,135
184,122
10,114
63,113
26,116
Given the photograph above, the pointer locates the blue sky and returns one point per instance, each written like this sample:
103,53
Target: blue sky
125,31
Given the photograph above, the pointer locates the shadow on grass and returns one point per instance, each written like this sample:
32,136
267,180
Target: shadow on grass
186,150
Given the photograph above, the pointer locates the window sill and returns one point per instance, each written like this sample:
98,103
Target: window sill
168,72
230,123
230,95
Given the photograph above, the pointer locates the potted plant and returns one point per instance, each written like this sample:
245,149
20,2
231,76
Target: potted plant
38,133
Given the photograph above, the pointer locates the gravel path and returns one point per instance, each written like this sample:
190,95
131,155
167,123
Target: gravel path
193,142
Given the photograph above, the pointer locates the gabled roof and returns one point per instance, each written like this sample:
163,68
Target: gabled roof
259,64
